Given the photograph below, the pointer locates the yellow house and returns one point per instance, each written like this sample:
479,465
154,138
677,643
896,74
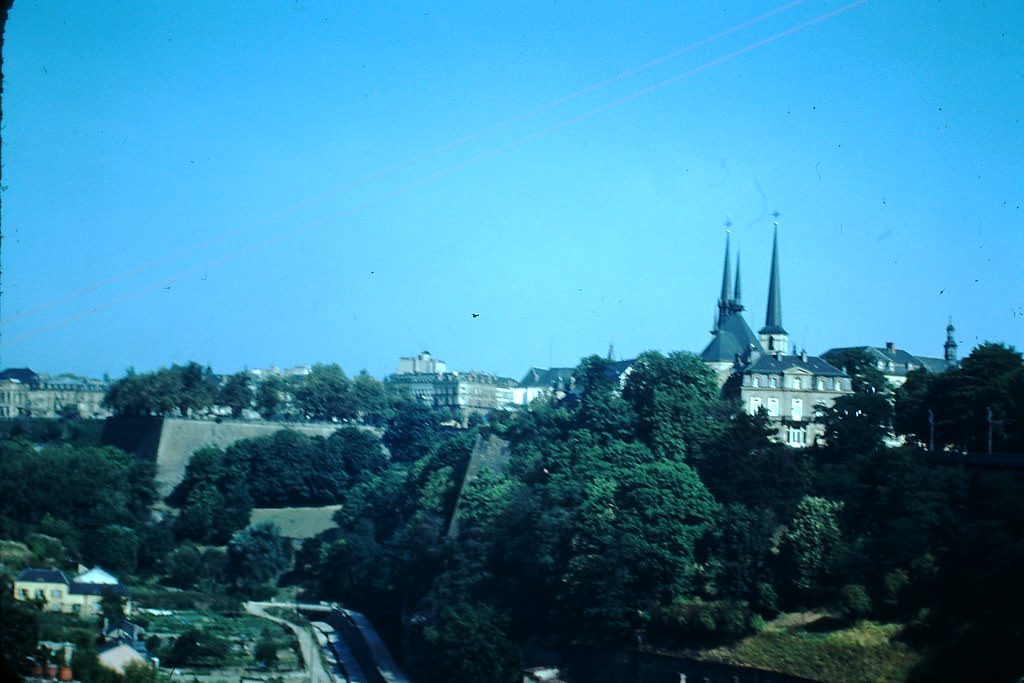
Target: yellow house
47,585
83,595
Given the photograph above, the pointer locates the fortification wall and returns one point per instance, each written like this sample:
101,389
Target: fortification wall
170,442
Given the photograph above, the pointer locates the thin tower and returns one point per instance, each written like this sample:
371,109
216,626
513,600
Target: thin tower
774,337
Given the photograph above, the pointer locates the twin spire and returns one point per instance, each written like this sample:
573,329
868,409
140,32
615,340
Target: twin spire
729,301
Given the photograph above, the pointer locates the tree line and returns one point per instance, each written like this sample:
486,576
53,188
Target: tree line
325,393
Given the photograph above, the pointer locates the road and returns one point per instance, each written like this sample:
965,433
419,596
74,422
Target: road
309,647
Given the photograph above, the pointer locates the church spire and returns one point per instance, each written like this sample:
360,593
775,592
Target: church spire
774,337
725,298
737,298
950,345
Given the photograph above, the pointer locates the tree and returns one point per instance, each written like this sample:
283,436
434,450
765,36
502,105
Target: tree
272,398
265,651
19,633
811,542
964,408
865,377
257,556
857,424
236,393
468,645
677,400
372,399
112,605
196,387
197,647
326,394
412,432
115,547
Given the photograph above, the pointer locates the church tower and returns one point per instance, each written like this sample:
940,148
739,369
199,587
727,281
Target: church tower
950,345
725,302
773,336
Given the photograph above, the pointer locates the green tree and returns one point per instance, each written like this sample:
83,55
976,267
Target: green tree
372,399
19,633
677,401
468,645
115,547
326,394
811,543
197,647
265,651
236,393
859,364
857,424
195,387
257,556
112,604
412,431
272,398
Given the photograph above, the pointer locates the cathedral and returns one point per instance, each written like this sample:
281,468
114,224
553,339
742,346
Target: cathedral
760,370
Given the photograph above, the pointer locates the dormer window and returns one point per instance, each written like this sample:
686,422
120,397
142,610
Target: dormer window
773,382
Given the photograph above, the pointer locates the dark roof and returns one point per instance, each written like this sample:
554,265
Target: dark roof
23,375
733,338
937,366
902,361
541,377
97,589
43,576
768,364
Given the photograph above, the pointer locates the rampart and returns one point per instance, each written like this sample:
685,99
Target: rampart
170,442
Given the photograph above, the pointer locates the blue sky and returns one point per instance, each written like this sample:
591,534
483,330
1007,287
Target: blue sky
284,183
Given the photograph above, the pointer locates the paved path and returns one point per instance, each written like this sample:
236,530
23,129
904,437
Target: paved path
308,645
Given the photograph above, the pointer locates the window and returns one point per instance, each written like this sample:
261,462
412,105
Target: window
796,383
55,594
797,412
839,385
773,407
755,405
773,382
796,436
755,381
821,385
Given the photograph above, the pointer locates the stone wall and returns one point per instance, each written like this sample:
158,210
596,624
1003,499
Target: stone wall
170,442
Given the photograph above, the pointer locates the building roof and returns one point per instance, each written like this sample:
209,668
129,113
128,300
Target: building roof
96,575
123,630
23,375
732,338
97,589
894,361
43,576
768,364
117,656
545,377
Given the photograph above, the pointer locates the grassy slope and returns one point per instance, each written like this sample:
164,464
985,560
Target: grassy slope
801,645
